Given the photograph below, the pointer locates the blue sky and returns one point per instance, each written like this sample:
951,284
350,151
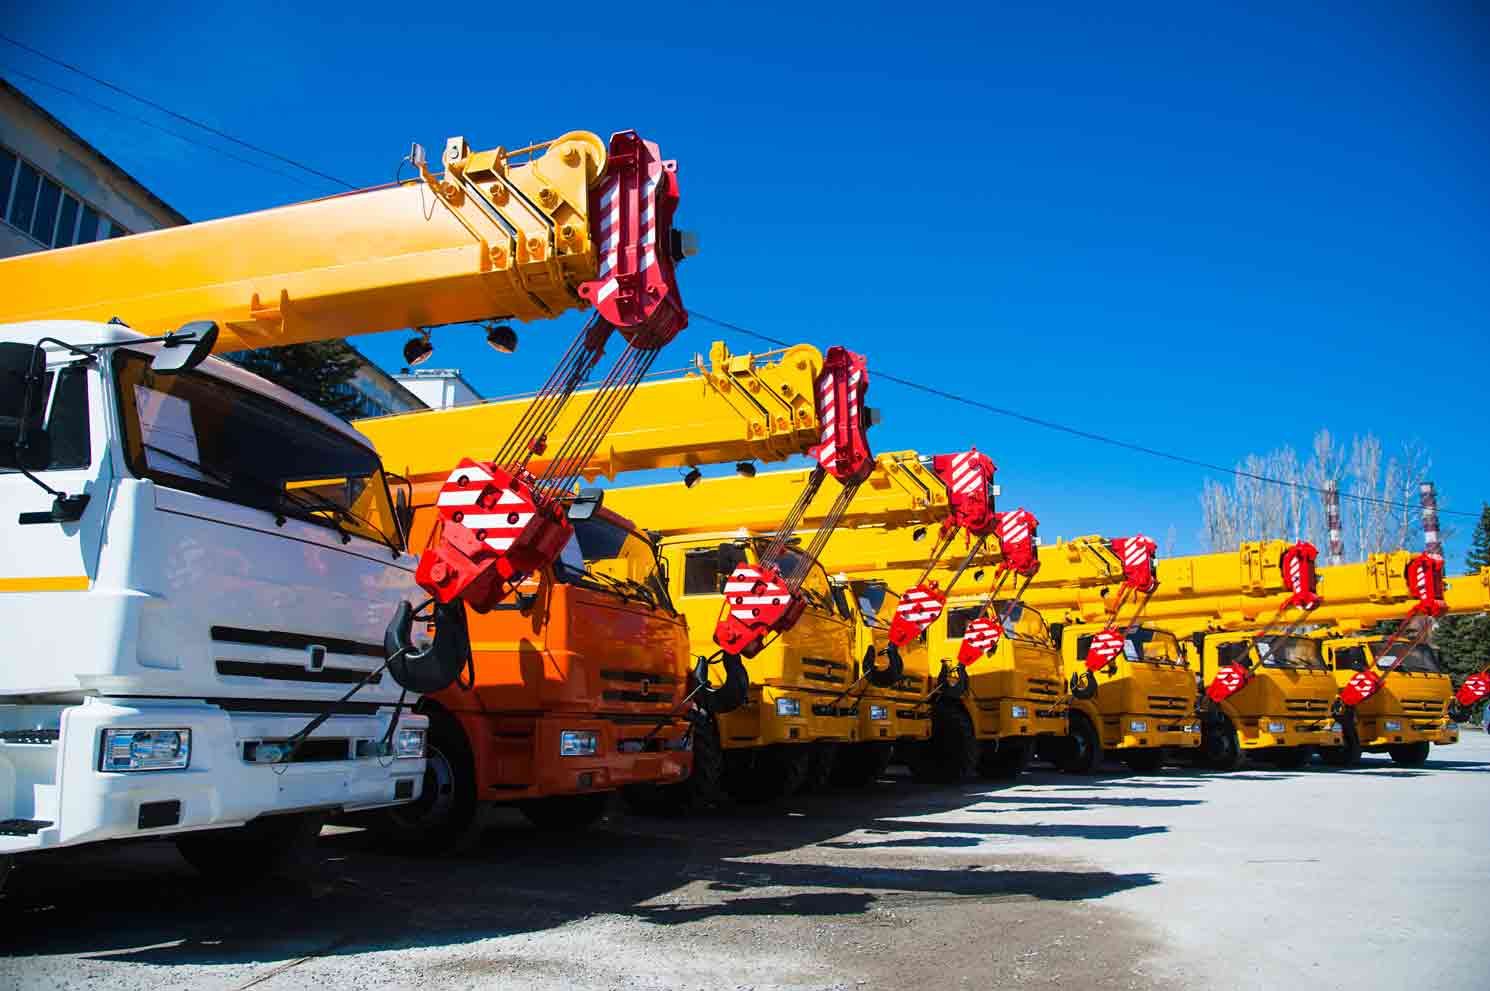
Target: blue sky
1206,230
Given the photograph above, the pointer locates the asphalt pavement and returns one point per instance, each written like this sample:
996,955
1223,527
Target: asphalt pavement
1376,877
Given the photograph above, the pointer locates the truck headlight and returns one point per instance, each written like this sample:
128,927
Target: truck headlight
878,712
1394,725
1138,726
1276,727
578,743
788,707
408,743
1336,728
1019,712
145,750
1190,728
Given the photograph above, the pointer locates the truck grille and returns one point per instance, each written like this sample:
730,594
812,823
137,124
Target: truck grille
1168,703
1046,687
1423,707
294,672
1299,707
34,736
649,688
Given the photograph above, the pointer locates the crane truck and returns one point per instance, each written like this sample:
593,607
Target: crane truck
595,647
943,730
209,580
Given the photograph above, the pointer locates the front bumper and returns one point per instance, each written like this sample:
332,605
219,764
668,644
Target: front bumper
523,759
1000,718
1376,735
59,782
818,716
898,718
1152,730
1288,731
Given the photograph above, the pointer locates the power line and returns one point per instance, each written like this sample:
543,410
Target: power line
181,117
1087,434
149,123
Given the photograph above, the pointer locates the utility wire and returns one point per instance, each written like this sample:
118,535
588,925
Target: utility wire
1087,434
6,71
181,117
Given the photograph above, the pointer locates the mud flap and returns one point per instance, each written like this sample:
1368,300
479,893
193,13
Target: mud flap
436,666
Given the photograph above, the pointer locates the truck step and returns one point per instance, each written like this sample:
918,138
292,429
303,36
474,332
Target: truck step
43,736
22,827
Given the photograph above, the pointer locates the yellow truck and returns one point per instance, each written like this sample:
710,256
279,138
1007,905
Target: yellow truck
1406,716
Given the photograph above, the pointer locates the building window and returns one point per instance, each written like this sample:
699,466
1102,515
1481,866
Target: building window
40,207
67,221
23,200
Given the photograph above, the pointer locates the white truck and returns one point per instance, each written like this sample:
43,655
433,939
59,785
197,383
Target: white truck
197,564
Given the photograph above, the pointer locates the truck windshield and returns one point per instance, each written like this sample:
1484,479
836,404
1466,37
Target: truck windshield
605,555
1152,646
197,432
1290,652
874,598
1421,659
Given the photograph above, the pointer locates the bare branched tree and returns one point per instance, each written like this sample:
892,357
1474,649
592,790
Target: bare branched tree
1378,509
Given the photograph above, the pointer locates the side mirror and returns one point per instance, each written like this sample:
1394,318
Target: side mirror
403,502
22,374
585,504
186,348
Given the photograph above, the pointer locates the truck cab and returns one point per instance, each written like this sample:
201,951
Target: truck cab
1141,706
1407,714
889,716
990,724
197,564
1284,711
574,690
798,710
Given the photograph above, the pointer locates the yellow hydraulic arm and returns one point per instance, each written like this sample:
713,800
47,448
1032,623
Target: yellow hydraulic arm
732,408
499,235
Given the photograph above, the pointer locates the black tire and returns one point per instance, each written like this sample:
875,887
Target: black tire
860,763
761,774
1348,754
820,764
268,847
951,755
1144,761
1289,758
566,813
1220,750
702,789
1005,759
1409,754
444,819
1083,752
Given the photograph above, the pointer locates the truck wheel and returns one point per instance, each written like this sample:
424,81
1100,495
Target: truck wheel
1004,759
1348,754
760,774
704,787
444,817
566,813
266,847
1409,754
1144,761
1289,758
860,763
1219,747
820,764
951,755
1084,747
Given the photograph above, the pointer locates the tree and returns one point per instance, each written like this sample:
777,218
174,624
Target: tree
1464,641
319,372
1382,515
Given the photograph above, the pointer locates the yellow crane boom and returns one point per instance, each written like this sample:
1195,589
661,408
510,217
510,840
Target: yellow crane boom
732,408
499,235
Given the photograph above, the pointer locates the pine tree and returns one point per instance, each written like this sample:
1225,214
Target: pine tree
1464,641
318,372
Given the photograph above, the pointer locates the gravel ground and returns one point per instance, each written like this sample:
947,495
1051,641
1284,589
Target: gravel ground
1369,878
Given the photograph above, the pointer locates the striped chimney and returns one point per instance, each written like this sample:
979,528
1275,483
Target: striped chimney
1432,542
1332,521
